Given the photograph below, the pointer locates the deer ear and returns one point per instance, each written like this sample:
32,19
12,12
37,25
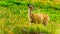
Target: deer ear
28,5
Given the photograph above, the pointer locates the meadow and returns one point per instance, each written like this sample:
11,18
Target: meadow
14,17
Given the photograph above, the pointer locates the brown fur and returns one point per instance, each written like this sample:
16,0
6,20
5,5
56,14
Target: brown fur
37,18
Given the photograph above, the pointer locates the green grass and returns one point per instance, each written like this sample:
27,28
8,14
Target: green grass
14,17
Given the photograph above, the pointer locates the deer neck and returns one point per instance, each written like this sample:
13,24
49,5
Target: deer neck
29,12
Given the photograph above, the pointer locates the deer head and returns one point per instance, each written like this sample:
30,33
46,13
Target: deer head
30,7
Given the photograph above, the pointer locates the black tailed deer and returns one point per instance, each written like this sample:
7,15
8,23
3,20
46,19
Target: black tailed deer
37,18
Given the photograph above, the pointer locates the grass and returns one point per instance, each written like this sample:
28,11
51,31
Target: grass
14,19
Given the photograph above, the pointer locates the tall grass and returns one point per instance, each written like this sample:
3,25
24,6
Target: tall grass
14,19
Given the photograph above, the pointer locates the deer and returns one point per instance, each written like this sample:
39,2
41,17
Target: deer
37,18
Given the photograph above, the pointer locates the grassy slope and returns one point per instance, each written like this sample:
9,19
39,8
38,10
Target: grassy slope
13,17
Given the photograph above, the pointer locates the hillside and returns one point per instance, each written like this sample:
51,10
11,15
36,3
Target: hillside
14,17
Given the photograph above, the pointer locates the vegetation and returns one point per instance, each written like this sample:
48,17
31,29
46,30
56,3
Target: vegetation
14,19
